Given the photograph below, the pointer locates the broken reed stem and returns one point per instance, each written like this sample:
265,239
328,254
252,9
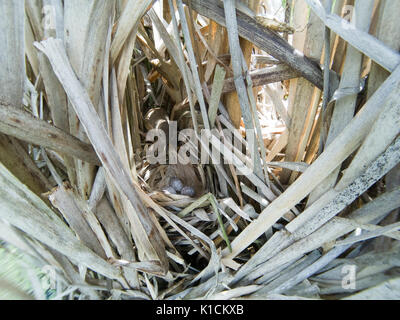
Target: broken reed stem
221,223
244,100
197,203
327,59
194,67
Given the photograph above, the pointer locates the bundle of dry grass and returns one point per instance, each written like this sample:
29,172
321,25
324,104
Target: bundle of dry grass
288,111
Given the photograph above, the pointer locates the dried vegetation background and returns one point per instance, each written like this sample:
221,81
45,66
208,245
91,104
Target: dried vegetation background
310,88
